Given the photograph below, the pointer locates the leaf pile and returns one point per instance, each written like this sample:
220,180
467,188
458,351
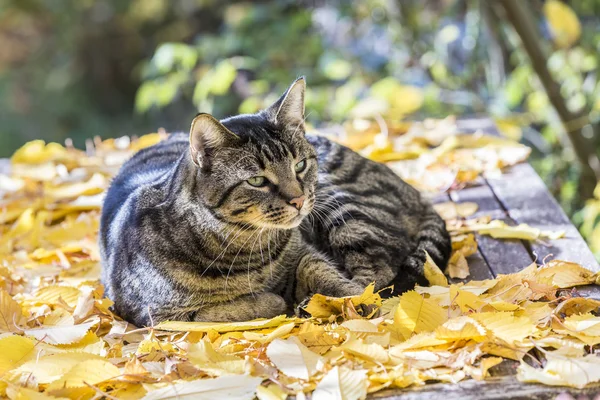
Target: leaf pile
433,155
59,338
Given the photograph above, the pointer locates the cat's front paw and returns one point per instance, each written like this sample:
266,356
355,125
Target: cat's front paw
300,308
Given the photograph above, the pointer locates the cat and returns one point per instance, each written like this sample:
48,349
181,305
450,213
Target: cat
249,215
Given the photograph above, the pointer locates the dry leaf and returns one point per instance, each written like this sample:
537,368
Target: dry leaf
234,387
450,210
416,314
61,334
321,306
11,315
563,371
342,383
222,326
458,266
433,273
293,358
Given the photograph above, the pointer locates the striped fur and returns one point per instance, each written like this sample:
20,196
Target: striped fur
184,235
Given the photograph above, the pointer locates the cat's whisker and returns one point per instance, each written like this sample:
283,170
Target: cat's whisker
301,123
322,214
240,232
236,255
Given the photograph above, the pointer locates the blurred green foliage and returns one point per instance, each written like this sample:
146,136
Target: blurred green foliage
113,67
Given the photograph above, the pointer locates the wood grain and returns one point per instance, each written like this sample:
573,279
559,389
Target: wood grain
507,387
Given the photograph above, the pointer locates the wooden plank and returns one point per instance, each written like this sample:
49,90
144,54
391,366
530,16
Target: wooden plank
478,267
507,387
525,197
502,256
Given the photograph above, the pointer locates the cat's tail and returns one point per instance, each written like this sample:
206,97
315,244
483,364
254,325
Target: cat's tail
432,238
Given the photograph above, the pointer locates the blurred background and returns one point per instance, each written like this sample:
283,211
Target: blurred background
80,68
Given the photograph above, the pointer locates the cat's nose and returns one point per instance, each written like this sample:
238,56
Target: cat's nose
298,202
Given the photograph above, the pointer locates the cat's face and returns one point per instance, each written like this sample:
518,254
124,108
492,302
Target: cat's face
258,170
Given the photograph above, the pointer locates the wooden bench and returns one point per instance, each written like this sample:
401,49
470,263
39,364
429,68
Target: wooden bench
518,196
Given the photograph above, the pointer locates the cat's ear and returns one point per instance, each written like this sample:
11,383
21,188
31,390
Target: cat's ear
288,111
207,134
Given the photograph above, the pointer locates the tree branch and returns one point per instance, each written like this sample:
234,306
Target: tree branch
521,18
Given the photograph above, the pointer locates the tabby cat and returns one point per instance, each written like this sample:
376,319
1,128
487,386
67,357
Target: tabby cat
249,215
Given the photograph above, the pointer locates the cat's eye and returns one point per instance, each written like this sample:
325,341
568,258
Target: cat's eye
257,181
300,166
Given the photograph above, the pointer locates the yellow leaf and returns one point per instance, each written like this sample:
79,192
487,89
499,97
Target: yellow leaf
147,140
204,357
89,372
563,21
450,210
61,334
509,129
416,314
465,244
504,325
271,392
96,184
418,341
317,339
49,368
53,295
235,387
38,152
342,383
371,352
269,337
222,326
479,373
563,274
500,230
360,325
587,324
461,328
321,306
20,393
467,301
293,358
433,273
458,266
563,371
11,315
15,351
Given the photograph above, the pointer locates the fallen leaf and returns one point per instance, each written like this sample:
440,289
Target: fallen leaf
563,371
416,314
321,306
61,334
433,273
11,315
342,383
89,372
504,325
293,358
450,210
458,266
222,326
234,387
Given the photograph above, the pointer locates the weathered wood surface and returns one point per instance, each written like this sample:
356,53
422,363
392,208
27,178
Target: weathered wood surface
506,387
